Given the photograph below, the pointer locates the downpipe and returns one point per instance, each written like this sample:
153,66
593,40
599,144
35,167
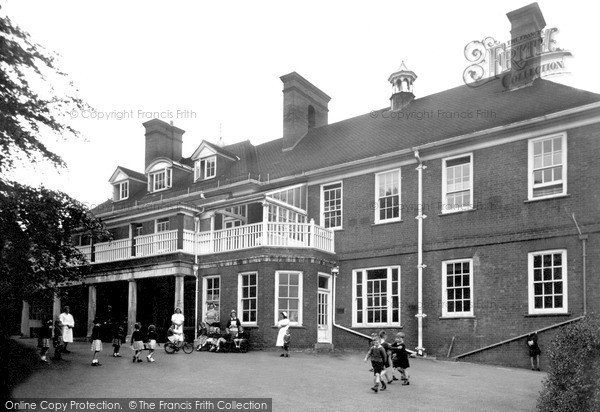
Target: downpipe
420,265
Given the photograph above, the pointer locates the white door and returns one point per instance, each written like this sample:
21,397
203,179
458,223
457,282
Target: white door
324,309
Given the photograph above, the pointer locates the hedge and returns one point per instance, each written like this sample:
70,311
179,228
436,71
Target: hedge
573,381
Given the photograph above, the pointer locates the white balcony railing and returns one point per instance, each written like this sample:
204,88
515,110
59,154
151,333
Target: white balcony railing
156,243
113,250
265,234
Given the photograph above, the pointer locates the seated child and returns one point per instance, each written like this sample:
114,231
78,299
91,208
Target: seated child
202,336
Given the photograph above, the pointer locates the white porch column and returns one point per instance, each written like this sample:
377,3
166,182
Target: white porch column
131,306
25,320
179,292
265,222
91,308
56,308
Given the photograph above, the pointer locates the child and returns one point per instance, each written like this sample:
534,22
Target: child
534,351
45,337
57,340
118,339
400,357
137,342
388,352
152,344
240,341
378,359
202,336
286,343
96,342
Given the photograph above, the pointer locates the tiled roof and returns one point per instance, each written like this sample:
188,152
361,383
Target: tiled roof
450,113
133,173
453,112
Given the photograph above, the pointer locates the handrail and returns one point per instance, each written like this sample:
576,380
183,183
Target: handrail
556,325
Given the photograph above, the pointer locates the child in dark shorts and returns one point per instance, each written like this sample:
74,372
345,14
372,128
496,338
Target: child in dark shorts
286,343
118,340
534,351
378,360
400,357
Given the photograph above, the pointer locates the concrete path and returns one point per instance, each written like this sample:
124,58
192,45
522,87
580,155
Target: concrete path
303,382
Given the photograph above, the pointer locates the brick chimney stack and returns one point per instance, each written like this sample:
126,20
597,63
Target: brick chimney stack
526,45
162,140
304,107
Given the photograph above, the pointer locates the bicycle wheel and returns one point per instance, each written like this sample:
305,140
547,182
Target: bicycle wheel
169,348
188,347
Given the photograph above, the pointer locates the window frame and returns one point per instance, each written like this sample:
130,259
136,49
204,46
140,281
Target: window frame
300,296
531,288
168,179
205,300
341,208
240,309
445,204
390,307
445,313
377,207
160,221
531,185
123,184
201,168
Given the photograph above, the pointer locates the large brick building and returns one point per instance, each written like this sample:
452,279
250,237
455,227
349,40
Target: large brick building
467,219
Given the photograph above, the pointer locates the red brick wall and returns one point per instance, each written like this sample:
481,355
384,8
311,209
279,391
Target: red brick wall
498,236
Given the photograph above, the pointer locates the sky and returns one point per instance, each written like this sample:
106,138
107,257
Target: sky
213,68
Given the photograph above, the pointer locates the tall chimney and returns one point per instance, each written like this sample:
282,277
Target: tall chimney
304,107
526,46
402,86
162,140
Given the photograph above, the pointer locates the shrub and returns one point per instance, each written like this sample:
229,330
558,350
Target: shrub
573,382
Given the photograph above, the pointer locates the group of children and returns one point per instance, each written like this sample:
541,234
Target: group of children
139,342
51,332
384,355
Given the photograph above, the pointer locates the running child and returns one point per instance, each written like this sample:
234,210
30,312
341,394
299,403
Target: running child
400,357
137,342
118,340
96,342
388,351
45,338
378,359
152,342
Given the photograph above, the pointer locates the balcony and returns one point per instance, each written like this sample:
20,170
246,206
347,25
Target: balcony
262,234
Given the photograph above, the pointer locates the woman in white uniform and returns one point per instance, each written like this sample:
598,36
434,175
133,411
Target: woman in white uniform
67,324
177,321
283,325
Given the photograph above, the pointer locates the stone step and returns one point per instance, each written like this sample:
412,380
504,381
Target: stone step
324,347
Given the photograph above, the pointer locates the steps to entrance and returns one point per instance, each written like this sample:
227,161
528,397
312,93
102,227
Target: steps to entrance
324,347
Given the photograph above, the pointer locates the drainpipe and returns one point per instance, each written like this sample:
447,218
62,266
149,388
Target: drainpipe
197,229
334,271
583,239
420,266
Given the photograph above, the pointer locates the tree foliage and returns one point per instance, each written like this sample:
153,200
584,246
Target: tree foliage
24,110
37,225
573,382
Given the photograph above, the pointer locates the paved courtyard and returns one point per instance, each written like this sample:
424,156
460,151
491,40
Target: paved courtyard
303,382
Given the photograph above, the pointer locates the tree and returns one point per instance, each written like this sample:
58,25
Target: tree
25,112
37,225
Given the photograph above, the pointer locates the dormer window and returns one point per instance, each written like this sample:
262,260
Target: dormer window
160,180
124,190
205,168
